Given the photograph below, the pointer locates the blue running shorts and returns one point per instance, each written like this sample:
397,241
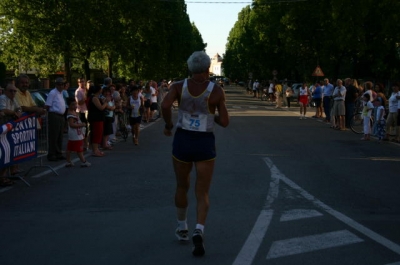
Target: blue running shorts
190,146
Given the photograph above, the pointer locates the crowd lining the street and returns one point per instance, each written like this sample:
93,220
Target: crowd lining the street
337,104
93,119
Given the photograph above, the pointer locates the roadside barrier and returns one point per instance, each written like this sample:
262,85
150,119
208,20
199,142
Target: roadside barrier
42,144
24,140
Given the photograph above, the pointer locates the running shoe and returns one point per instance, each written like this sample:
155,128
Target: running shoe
197,238
86,164
182,235
69,164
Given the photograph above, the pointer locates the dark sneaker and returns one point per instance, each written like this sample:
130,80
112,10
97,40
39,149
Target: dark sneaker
182,235
198,249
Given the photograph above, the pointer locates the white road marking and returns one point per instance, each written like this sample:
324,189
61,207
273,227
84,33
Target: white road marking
254,240
306,244
256,236
298,214
348,221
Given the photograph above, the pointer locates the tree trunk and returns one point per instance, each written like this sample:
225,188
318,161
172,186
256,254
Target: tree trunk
67,68
110,63
86,65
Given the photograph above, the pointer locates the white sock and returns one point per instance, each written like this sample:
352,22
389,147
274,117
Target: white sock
201,227
182,225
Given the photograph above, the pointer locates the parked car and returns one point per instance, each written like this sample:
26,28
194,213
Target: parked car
296,88
39,97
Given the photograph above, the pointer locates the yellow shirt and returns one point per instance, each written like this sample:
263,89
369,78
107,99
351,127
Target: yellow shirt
278,89
25,99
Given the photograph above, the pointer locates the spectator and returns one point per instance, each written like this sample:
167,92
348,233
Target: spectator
391,119
303,99
380,92
368,86
10,108
339,94
55,104
256,84
24,98
81,98
76,134
278,94
116,99
153,104
380,120
162,90
317,97
289,94
367,111
271,91
147,101
96,108
108,118
327,99
350,99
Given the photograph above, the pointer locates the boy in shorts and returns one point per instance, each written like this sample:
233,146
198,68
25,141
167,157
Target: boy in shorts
76,134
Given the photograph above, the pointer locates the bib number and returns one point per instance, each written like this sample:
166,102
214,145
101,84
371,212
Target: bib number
193,122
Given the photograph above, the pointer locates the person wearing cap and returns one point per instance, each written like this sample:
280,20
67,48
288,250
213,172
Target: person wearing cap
55,104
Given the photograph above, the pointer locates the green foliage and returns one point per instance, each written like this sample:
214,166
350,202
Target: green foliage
142,39
356,38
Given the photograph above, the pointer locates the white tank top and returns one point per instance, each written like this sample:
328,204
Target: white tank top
193,113
303,92
136,105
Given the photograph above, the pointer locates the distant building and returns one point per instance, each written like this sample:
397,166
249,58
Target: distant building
216,65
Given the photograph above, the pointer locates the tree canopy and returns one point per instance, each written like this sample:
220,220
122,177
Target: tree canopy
141,39
347,38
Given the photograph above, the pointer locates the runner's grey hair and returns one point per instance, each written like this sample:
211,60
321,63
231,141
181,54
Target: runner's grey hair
199,62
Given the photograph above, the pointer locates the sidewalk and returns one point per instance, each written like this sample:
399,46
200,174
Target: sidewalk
40,166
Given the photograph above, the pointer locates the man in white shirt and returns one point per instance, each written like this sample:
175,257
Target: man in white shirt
55,104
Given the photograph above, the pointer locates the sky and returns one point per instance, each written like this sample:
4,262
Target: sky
215,19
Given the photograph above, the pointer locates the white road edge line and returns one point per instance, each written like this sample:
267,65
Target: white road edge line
347,220
254,240
256,236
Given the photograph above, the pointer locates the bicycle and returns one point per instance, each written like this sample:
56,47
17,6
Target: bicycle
357,123
124,127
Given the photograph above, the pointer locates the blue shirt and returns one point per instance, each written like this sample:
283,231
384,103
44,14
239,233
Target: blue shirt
317,92
328,90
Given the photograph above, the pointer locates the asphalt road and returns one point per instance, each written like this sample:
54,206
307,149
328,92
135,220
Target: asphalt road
285,191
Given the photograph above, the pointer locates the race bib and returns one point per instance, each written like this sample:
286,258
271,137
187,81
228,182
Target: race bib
194,122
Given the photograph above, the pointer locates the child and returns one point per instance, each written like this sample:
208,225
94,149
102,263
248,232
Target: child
75,134
367,111
380,120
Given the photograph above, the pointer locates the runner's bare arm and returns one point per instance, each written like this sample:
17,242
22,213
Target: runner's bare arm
166,106
222,118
